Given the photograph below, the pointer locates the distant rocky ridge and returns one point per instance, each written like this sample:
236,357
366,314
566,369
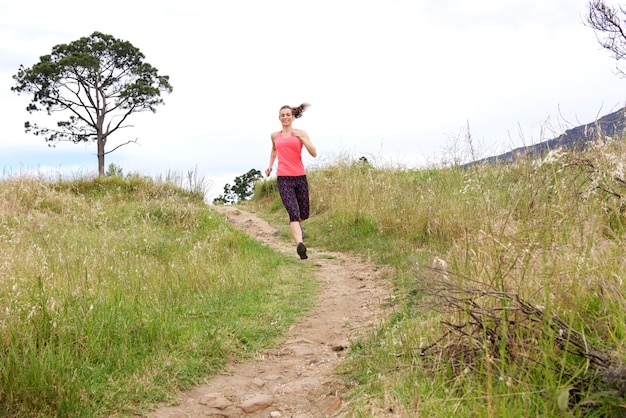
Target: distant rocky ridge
611,125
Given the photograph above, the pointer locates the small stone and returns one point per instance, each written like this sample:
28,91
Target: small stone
215,400
256,404
332,404
339,346
303,351
275,414
299,341
258,382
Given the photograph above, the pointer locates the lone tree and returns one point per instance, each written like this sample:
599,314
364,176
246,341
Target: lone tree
610,27
94,83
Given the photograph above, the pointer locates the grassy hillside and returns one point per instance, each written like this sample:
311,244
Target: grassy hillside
510,283
115,292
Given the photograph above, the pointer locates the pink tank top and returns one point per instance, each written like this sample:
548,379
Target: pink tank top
289,152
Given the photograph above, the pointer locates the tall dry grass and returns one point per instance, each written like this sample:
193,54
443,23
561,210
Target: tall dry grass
511,280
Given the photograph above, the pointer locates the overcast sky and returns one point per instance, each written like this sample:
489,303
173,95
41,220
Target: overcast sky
393,80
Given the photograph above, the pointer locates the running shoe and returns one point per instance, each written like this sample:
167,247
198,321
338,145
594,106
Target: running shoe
301,249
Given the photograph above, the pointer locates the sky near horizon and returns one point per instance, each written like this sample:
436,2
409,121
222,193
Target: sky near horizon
397,81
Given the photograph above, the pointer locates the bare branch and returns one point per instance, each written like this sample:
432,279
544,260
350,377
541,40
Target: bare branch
136,141
487,329
610,29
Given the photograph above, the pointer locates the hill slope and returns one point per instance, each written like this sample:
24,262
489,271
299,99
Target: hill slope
577,138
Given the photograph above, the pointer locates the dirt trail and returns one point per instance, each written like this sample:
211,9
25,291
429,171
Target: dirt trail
296,378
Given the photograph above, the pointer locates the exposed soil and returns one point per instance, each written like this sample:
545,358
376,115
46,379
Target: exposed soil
295,379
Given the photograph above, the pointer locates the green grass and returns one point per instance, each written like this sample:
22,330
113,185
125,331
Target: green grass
116,292
509,282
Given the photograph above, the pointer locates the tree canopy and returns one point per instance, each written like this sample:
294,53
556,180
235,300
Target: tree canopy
242,190
94,84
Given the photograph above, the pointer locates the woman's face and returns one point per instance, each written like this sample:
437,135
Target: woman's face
285,116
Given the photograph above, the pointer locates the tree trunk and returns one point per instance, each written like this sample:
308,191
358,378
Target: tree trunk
101,143
101,138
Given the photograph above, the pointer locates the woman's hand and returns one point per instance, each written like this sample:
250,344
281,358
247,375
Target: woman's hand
300,134
268,171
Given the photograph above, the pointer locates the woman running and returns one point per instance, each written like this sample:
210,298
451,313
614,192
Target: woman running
291,180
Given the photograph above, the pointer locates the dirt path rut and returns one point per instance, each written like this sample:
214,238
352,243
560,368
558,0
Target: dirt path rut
296,378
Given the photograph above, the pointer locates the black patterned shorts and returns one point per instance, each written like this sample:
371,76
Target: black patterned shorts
294,192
